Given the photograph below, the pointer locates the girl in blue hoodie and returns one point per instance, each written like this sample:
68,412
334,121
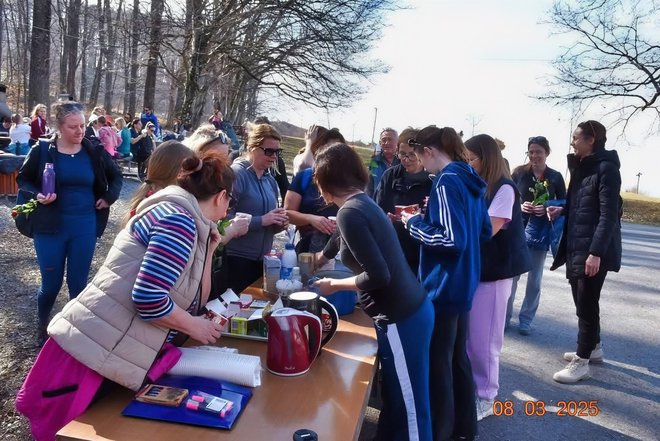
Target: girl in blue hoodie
450,232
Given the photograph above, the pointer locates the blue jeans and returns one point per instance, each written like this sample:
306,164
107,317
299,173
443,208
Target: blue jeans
532,292
404,352
74,245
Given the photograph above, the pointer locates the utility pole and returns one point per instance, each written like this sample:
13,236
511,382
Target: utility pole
373,132
638,176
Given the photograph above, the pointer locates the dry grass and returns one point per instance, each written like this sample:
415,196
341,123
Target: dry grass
641,209
293,145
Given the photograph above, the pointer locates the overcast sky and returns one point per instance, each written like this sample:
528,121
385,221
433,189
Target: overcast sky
478,62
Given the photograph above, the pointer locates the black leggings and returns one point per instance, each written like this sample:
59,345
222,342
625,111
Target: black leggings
586,294
453,410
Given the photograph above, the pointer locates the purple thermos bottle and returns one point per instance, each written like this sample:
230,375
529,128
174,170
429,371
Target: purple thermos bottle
48,180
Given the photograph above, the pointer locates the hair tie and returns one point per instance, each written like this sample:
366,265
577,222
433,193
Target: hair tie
200,165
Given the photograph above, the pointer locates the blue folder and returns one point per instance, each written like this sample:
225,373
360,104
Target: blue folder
239,395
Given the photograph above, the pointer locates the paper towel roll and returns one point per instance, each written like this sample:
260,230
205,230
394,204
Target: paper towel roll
241,369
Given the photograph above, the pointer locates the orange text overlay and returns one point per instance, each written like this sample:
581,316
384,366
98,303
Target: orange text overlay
540,408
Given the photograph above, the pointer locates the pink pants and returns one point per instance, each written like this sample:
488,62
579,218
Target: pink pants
486,334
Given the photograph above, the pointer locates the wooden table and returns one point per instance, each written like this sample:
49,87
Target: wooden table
330,399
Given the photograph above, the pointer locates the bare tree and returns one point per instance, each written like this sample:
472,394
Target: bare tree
83,57
40,53
133,77
71,43
154,45
109,54
615,57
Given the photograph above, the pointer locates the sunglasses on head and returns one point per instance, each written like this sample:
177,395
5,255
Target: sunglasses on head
412,142
270,152
222,137
71,106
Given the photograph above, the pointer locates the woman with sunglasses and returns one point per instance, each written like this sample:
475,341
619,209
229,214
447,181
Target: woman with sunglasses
405,184
255,193
69,220
503,257
151,288
539,231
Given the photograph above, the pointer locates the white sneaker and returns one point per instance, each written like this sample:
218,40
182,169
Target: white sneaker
484,408
596,356
576,370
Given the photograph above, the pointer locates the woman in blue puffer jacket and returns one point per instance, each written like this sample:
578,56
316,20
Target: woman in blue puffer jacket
541,234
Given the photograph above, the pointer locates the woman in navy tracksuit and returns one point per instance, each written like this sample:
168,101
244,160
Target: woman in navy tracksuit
388,292
450,231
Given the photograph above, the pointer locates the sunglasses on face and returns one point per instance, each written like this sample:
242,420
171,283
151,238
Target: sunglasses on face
270,152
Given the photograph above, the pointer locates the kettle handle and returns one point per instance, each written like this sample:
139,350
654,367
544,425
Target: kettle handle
334,317
315,329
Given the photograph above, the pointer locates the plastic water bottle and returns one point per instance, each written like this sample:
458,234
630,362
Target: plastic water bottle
48,180
289,260
295,274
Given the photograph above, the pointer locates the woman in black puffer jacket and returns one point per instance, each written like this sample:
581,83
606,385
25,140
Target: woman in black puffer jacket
591,243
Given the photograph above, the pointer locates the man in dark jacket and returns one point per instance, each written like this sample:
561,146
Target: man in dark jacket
591,243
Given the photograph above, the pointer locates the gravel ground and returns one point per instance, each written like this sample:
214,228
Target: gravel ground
19,281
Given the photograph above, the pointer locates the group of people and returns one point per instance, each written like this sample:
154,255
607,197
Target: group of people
440,296
24,132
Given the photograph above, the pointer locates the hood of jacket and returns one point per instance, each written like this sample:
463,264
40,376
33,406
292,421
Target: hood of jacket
470,178
575,162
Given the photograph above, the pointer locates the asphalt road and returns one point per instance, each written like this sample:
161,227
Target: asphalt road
625,389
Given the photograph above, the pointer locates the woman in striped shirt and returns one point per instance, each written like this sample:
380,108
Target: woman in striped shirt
160,263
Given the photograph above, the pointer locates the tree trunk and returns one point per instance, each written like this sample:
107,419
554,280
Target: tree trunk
71,44
108,46
190,108
2,27
62,21
98,71
40,53
132,82
154,44
83,61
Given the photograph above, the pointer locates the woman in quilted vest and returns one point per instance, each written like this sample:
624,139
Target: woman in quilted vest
503,257
151,286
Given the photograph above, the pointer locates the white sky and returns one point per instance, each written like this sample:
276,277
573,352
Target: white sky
454,62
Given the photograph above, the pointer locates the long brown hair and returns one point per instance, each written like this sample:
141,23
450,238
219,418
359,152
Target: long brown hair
445,140
205,174
339,170
493,167
162,170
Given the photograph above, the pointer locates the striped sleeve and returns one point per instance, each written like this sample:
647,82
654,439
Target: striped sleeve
445,227
168,232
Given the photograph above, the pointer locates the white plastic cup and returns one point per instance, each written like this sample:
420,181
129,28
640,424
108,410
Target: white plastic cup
244,215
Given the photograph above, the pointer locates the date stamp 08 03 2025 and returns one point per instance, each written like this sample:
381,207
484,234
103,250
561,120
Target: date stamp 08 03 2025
539,408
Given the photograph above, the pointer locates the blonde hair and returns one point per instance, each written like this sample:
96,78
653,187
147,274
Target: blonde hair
204,136
36,109
120,123
259,133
